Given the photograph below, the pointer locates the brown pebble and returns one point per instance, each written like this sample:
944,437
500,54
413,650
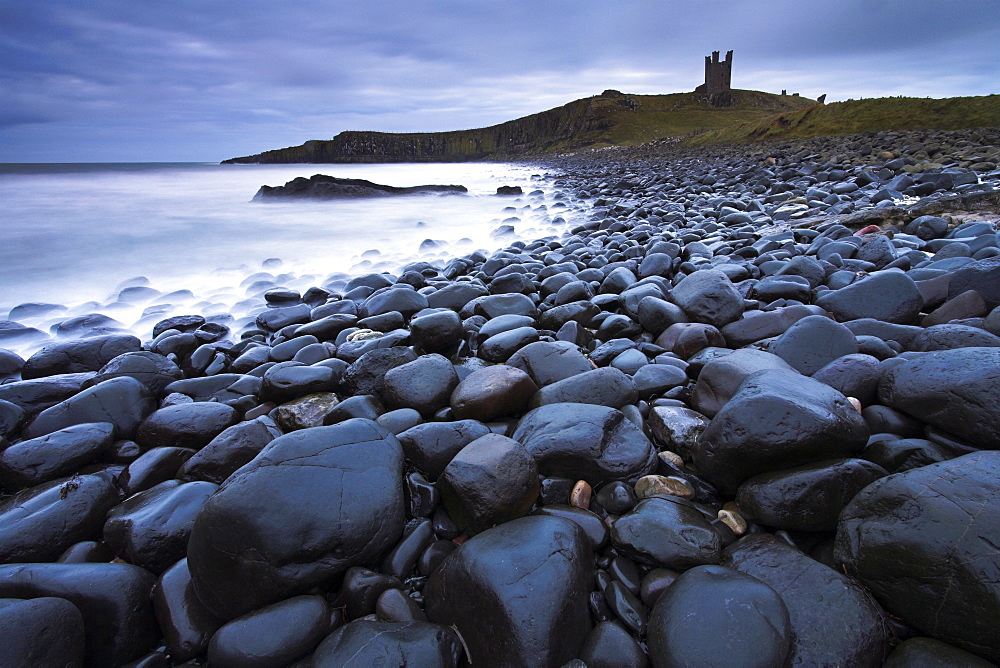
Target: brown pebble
660,485
854,402
734,521
581,494
672,458
458,540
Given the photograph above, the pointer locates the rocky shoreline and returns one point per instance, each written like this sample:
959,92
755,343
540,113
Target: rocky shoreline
747,415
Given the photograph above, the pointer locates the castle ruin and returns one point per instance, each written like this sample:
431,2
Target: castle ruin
718,80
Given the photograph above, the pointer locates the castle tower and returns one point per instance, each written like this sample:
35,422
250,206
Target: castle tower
718,79
718,74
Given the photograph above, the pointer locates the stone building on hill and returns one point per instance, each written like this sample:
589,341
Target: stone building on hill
718,80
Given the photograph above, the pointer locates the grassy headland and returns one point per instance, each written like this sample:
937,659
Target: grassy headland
618,119
853,116
609,119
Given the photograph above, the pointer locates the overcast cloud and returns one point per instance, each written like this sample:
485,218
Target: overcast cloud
110,80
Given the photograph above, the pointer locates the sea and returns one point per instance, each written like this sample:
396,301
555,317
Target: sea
74,236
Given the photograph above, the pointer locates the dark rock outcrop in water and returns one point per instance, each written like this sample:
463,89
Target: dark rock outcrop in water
746,415
320,186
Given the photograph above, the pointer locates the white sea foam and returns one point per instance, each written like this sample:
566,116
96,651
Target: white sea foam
76,235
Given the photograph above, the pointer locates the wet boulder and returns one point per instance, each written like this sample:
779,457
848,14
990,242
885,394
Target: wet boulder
275,635
929,652
41,522
492,392
191,425
607,386
88,354
667,532
834,620
491,480
44,631
34,396
123,402
776,420
924,542
151,369
548,362
186,624
888,296
376,643
231,449
37,460
152,467
808,497
366,375
585,441
721,377
436,332
856,375
517,593
813,342
312,504
955,390
425,384
708,296
430,446
151,528
714,616
118,620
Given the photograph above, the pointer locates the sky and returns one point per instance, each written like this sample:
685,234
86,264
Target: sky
205,80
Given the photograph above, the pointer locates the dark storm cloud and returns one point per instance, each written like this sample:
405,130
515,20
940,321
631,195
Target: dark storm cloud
103,79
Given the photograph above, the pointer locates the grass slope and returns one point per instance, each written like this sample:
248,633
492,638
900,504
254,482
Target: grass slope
609,119
853,116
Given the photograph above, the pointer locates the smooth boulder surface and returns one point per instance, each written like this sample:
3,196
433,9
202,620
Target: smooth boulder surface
888,296
229,450
777,419
713,616
924,542
491,480
123,402
813,342
956,390
151,528
60,453
77,356
492,392
186,624
834,620
667,532
39,523
191,425
531,610
721,377
274,635
584,441
364,643
708,297
44,631
118,619
312,504
808,497
430,446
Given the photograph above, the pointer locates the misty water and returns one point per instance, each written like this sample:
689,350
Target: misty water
75,235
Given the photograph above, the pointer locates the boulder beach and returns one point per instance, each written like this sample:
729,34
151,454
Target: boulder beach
745,412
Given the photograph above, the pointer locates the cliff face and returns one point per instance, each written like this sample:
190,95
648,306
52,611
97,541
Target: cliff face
603,120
